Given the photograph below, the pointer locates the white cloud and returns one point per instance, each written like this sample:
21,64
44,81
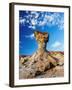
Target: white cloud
22,21
58,20
36,16
49,18
31,36
54,19
33,27
56,44
61,24
42,23
27,21
33,22
35,13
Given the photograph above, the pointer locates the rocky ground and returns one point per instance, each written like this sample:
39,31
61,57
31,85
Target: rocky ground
44,65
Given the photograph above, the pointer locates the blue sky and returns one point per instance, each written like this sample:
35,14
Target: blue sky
51,22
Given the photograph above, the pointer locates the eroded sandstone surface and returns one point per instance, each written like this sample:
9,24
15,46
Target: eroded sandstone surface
42,63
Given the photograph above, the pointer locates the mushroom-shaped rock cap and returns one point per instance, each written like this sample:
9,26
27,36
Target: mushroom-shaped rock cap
41,36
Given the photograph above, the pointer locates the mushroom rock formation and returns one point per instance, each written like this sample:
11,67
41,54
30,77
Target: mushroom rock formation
40,60
42,39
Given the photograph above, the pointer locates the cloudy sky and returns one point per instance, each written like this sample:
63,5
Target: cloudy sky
51,22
